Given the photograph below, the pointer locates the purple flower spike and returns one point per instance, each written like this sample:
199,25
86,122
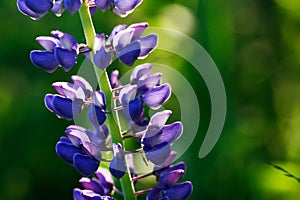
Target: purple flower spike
117,166
72,5
34,8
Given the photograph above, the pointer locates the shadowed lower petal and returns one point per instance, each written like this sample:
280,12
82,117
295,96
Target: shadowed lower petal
72,5
66,59
148,44
180,191
44,60
159,153
84,164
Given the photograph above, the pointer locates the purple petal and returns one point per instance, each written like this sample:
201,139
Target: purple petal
105,179
134,109
115,31
171,178
77,194
102,58
44,60
171,132
155,193
130,53
69,90
103,4
126,5
96,115
166,164
81,82
62,107
92,184
99,99
157,96
159,153
122,39
41,6
77,135
66,59
117,166
148,44
72,5
139,28
140,71
114,79
66,151
127,94
84,164
99,41
178,166
49,43
147,82
58,7
91,195
180,191
92,149
159,119
23,8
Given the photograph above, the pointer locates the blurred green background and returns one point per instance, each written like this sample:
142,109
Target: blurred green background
255,45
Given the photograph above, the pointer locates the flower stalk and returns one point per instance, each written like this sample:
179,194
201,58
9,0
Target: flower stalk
103,80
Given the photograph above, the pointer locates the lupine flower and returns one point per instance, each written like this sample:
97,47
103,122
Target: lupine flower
157,140
168,188
126,44
35,9
60,50
99,187
73,97
82,148
117,166
120,7
146,89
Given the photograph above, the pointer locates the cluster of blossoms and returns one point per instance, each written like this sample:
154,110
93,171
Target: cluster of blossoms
87,149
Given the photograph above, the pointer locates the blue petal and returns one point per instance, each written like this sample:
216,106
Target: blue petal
147,82
77,194
84,164
58,8
93,10
72,5
117,166
66,59
180,165
129,54
134,109
41,6
159,153
92,184
171,132
96,115
66,151
23,8
139,28
171,178
115,31
91,195
126,5
103,4
81,82
155,193
148,44
44,60
180,191
102,58
127,94
157,96
49,43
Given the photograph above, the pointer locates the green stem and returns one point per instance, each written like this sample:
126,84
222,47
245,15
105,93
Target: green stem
103,80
